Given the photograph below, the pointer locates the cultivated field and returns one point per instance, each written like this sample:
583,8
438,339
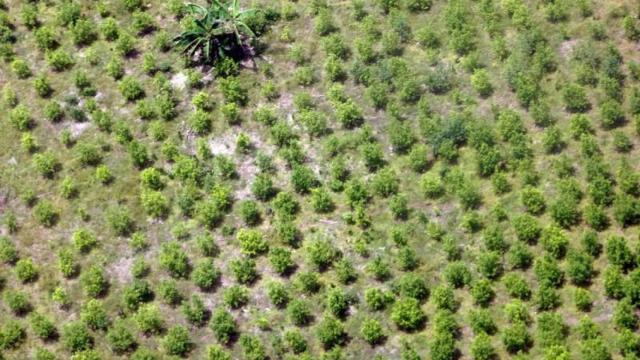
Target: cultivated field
319,179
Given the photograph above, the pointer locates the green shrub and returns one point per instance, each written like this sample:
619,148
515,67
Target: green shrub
200,122
516,338
120,220
83,32
533,200
373,156
20,118
12,335
481,348
46,38
205,275
59,60
407,315
223,325
46,214
20,69
244,270
174,260
119,338
349,114
177,341
481,322
554,241
251,242
321,253
618,252
611,114
42,326
130,88
94,315
277,293
324,23
457,274
372,331
594,349
47,164
18,302
8,251
432,186
26,270
125,44
148,319
481,82
142,22
547,298
575,98
547,270
330,332
217,352
76,337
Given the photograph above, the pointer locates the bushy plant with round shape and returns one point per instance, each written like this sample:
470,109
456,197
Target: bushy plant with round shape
299,312
174,260
281,260
46,213
177,341
252,242
575,98
42,326
223,325
119,338
76,337
330,332
372,331
407,314
377,299
277,293
244,270
94,315
205,275
130,88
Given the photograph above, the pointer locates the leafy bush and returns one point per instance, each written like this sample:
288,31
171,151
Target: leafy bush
251,242
46,214
26,270
76,337
330,332
177,341
130,88
119,338
611,114
42,326
18,302
174,260
223,325
407,314
299,312
481,82
244,270
372,331
575,98
205,275
349,114
516,338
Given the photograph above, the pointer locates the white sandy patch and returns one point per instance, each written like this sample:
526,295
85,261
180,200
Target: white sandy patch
179,81
121,270
77,129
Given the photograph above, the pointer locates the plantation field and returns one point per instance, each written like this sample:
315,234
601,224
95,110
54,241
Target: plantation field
319,179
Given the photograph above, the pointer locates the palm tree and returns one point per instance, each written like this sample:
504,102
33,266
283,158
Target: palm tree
217,31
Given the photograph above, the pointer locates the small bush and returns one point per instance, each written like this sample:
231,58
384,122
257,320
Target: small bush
407,314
